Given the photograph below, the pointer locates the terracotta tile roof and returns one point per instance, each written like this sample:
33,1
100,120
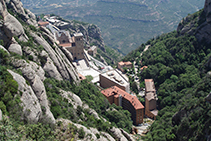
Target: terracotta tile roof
116,91
121,63
149,85
81,77
66,45
144,67
128,63
41,23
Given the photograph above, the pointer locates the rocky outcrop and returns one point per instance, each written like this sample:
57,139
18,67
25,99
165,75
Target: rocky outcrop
31,107
200,27
26,15
91,32
35,76
61,62
90,134
207,9
118,134
15,48
9,25
129,138
76,101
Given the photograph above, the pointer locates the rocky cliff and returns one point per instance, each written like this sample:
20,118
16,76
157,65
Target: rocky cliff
31,56
198,24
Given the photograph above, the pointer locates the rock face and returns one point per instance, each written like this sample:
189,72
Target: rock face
91,32
35,76
118,134
26,15
63,65
16,48
31,107
207,9
90,134
201,27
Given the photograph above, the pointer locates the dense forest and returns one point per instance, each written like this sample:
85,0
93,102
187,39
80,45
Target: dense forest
178,65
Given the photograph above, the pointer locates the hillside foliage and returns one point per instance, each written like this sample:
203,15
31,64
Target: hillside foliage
178,66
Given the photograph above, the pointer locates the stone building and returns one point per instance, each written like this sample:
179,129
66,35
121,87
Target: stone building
74,45
113,78
92,51
128,102
150,99
122,64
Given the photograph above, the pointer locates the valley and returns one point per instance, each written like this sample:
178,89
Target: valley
127,24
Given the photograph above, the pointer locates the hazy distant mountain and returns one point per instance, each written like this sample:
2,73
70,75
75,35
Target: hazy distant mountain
125,24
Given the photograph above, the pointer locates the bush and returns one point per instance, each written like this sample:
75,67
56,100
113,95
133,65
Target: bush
81,133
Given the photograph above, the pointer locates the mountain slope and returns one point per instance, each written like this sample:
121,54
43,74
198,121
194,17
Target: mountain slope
126,24
179,63
41,96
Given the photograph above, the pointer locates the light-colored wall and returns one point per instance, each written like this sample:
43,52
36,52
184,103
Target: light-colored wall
106,83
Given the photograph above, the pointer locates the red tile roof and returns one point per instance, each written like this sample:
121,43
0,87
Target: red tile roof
66,45
116,91
43,23
144,67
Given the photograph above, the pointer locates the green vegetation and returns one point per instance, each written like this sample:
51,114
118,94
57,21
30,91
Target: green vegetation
91,96
178,65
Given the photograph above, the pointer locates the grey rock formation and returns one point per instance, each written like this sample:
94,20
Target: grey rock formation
118,134
108,136
91,131
12,26
15,48
203,29
76,101
34,76
63,65
207,9
51,69
129,138
91,32
1,47
31,107
26,15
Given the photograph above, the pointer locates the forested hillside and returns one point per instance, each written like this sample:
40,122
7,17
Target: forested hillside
179,63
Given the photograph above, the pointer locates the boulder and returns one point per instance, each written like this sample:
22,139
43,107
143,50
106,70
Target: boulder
51,69
31,107
12,26
15,48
